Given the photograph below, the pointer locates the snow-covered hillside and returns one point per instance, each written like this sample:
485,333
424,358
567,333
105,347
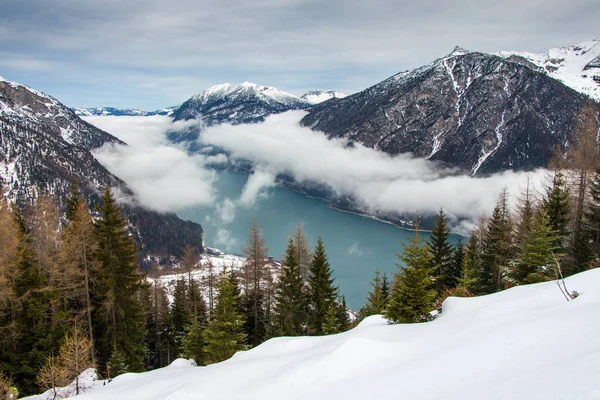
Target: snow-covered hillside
524,343
319,96
577,66
129,112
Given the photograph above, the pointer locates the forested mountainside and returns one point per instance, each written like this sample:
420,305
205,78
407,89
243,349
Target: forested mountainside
44,145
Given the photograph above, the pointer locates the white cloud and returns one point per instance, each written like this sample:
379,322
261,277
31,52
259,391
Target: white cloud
255,187
376,180
225,240
226,211
164,177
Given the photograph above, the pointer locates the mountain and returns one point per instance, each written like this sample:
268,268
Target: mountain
489,347
229,104
480,113
43,144
577,66
319,96
111,111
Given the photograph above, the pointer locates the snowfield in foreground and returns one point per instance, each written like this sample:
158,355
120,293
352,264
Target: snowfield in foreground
524,343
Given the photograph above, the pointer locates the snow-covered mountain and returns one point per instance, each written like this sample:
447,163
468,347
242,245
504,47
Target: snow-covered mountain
527,342
479,112
43,145
129,112
577,66
230,104
319,96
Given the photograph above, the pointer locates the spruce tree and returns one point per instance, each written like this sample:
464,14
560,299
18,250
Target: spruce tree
441,252
118,313
592,214
385,289
472,263
536,258
557,208
180,317
290,309
73,200
322,292
458,257
497,249
375,301
412,296
224,334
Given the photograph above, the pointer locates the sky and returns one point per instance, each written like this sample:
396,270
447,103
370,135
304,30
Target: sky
151,54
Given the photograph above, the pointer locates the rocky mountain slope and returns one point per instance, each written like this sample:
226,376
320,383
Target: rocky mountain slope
577,66
43,144
118,112
229,104
478,112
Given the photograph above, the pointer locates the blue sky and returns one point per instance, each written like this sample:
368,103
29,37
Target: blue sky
151,54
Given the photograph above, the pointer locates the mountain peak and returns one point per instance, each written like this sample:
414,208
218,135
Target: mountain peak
458,51
320,95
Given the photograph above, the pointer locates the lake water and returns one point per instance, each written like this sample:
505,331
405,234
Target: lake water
355,245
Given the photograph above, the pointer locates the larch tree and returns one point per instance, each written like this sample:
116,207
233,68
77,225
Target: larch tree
257,282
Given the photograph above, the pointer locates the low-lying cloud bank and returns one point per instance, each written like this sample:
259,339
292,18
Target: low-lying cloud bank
167,178
164,177
378,181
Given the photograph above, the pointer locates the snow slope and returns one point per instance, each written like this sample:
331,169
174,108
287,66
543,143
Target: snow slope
319,96
577,66
524,343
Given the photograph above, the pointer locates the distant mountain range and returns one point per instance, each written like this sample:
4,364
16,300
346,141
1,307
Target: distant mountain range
44,144
128,112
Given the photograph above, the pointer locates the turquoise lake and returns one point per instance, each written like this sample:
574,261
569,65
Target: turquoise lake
355,245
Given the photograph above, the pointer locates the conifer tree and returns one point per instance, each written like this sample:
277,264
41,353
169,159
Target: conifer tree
180,317
9,261
157,322
257,282
118,313
536,257
441,252
592,214
322,292
412,296
557,207
375,301
193,342
497,249
303,253
385,289
224,334
471,263
290,308
457,266
73,200
525,213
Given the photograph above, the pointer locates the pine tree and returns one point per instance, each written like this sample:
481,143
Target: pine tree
290,309
441,252
536,258
412,296
257,282
118,314
322,292
375,301
471,263
557,207
497,249
180,317
224,334
73,200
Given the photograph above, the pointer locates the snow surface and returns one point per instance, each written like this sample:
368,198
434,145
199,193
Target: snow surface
523,343
264,93
88,380
319,96
568,65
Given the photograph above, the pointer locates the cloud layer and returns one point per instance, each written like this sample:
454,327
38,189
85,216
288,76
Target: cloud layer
164,177
151,54
378,181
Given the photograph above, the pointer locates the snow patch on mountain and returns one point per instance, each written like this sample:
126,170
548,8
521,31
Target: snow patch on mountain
577,66
319,96
129,112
